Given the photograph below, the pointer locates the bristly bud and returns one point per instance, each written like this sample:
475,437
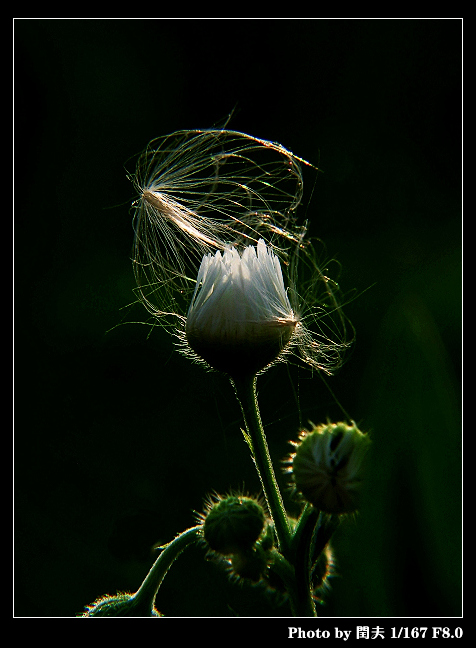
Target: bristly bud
123,604
240,318
233,524
327,466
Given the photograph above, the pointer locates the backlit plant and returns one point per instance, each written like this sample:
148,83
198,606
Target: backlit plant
222,261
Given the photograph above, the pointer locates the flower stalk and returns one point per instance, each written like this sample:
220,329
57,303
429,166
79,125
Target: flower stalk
150,586
142,603
245,389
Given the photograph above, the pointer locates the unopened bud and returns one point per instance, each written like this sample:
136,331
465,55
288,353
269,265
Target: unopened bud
122,604
233,524
249,565
327,466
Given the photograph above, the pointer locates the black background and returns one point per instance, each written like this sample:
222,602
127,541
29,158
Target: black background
117,436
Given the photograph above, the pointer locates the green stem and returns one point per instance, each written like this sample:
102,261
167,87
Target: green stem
145,595
285,571
245,388
327,526
306,606
299,528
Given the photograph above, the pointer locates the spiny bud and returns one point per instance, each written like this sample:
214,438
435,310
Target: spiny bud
233,524
123,604
327,466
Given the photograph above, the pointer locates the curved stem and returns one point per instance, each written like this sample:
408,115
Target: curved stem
245,389
145,595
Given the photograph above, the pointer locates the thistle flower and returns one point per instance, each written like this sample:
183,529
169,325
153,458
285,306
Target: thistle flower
327,466
206,198
240,318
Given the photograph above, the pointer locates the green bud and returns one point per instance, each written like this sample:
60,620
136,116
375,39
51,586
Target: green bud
327,466
123,604
249,565
233,524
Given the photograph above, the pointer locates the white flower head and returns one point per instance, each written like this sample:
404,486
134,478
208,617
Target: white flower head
222,204
240,318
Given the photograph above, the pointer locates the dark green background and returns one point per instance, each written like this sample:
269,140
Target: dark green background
118,437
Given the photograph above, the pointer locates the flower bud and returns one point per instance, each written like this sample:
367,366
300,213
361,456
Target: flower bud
250,565
122,604
233,525
240,317
327,466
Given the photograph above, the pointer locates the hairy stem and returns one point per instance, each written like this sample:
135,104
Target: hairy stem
147,592
245,389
